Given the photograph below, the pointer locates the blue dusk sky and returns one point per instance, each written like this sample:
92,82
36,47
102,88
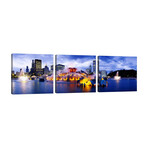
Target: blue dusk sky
113,63
81,62
23,60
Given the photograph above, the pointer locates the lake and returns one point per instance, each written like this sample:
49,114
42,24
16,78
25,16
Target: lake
31,87
36,87
71,87
124,84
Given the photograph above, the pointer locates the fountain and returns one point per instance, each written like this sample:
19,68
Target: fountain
71,75
117,77
22,76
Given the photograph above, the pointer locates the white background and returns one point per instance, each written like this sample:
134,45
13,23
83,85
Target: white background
87,120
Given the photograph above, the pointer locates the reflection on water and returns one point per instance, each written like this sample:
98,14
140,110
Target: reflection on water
69,87
87,88
124,84
31,87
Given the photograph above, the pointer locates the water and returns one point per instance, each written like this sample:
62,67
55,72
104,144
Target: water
71,87
124,84
31,87
36,87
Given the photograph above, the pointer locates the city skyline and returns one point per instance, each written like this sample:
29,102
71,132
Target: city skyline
81,62
20,61
113,63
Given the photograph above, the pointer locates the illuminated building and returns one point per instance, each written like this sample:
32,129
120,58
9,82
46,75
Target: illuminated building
37,67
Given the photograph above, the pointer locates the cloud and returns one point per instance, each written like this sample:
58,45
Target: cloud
78,61
112,63
23,60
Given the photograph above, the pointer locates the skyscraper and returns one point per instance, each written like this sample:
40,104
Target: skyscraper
94,66
27,69
33,67
90,68
37,67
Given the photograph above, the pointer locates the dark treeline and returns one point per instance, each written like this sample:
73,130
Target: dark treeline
124,73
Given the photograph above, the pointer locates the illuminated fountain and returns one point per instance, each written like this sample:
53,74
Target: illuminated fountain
81,78
22,76
117,77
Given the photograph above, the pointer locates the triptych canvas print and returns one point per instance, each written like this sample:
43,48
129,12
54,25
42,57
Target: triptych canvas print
35,73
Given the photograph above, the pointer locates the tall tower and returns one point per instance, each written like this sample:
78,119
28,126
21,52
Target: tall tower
27,69
90,69
37,67
38,64
94,66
